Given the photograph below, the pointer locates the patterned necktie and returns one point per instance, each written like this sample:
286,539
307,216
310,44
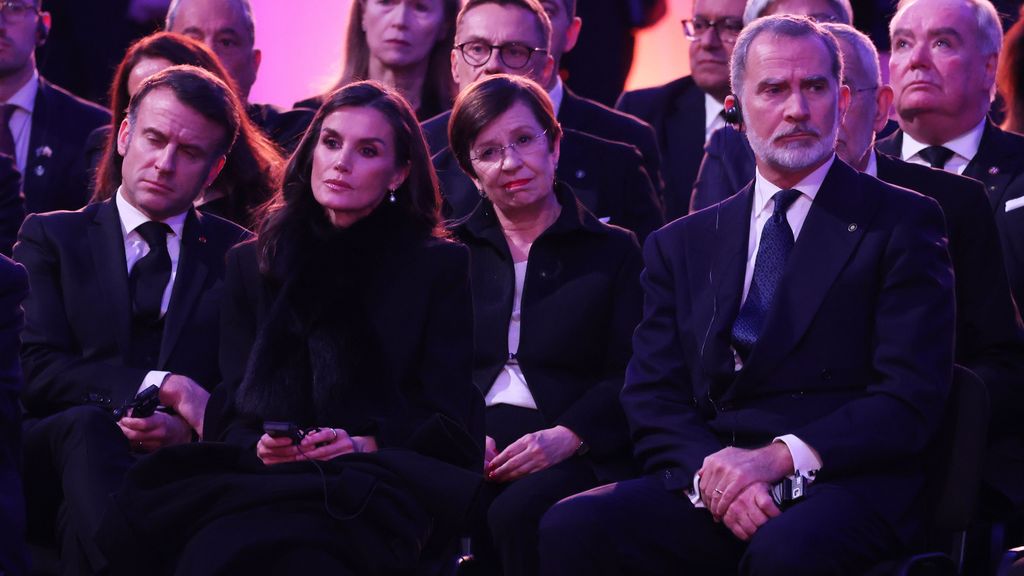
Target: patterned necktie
7,145
776,244
936,156
152,272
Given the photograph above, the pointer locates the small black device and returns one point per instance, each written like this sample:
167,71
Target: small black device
142,406
789,491
733,115
284,430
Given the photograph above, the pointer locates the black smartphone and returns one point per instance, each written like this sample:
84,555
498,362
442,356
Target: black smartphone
284,430
145,402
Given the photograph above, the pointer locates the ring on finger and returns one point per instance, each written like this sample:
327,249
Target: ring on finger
719,492
335,437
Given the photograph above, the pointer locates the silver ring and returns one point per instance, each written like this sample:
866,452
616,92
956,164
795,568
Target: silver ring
335,435
719,492
140,444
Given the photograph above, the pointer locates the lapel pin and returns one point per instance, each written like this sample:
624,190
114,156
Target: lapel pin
993,170
40,170
580,174
202,239
851,228
44,151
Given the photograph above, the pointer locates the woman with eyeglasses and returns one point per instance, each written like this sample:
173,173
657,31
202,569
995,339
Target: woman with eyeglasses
556,295
404,44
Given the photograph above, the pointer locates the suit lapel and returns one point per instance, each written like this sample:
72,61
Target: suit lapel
188,283
107,245
833,228
892,145
719,305
991,164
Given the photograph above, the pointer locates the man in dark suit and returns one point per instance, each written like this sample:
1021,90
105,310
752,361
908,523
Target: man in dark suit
817,347
584,114
608,177
228,28
943,91
13,290
44,127
126,295
685,112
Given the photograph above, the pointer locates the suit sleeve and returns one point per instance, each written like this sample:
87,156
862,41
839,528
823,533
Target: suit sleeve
597,416
658,397
57,372
12,204
912,355
13,290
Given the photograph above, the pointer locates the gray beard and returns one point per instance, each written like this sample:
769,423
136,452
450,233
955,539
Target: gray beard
794,157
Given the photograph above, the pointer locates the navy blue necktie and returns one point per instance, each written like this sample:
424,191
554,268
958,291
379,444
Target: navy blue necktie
150,275
776,244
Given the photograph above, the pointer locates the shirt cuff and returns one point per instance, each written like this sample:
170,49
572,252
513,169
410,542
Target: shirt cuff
153,378
806,461
694,495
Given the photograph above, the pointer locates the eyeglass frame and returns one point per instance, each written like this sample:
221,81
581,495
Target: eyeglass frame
693,36
29,7
501,150
499,47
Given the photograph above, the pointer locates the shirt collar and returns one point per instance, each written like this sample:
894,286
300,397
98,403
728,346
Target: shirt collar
872,167
809,186
712,111
131,217
966,145
556,95
25,97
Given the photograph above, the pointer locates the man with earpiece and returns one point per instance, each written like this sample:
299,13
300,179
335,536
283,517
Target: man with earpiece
44,127
794,358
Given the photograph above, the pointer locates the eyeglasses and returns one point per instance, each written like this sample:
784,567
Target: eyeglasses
513,55
492,155
15,12
854,90
726,28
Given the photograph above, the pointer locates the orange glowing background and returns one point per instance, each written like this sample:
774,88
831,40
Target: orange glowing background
302,48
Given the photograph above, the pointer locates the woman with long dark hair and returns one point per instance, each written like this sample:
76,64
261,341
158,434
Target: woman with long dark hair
351,428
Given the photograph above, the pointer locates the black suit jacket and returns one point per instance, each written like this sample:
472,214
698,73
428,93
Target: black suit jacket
78,317
608,177
13,290
855,358
676,112
57,171
585,115
283,127
581,302
999,165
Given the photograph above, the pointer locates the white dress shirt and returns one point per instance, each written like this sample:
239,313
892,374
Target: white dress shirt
712,116
21,119
556,94
135,248
964,148
510,385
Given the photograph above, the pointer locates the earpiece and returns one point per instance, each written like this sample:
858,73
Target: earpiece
42,32
732,114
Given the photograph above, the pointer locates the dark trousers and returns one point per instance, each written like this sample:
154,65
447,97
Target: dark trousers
74,460
507,536
638,528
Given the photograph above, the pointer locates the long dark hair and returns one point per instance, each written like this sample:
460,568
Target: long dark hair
294,211
1010,78
253,166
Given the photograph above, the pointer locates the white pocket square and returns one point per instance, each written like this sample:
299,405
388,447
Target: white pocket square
1014,203
607,218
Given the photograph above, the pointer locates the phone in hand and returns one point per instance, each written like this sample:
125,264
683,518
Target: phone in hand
284,430
142,406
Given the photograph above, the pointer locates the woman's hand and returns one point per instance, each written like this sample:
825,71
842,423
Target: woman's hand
532,453
318,444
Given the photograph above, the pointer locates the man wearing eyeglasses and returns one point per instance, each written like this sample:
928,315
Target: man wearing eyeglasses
686,111
514,37
44,127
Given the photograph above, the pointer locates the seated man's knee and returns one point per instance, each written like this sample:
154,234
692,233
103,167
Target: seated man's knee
774,550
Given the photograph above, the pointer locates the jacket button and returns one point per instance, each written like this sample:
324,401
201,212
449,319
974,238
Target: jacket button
826,374
668,474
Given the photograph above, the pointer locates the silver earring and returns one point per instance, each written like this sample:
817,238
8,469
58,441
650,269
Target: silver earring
391,196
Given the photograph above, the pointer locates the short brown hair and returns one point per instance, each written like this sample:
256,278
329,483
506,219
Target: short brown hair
484,100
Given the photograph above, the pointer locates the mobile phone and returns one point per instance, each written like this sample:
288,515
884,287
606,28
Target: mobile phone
284,430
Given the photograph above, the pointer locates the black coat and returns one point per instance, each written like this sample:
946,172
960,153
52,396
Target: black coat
13,290
676,112
56,173
581,301
370,331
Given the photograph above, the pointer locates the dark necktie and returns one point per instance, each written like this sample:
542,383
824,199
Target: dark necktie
152,272
6,136
936,156
776,244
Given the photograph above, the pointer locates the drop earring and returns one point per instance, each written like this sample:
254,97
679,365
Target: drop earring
391,196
